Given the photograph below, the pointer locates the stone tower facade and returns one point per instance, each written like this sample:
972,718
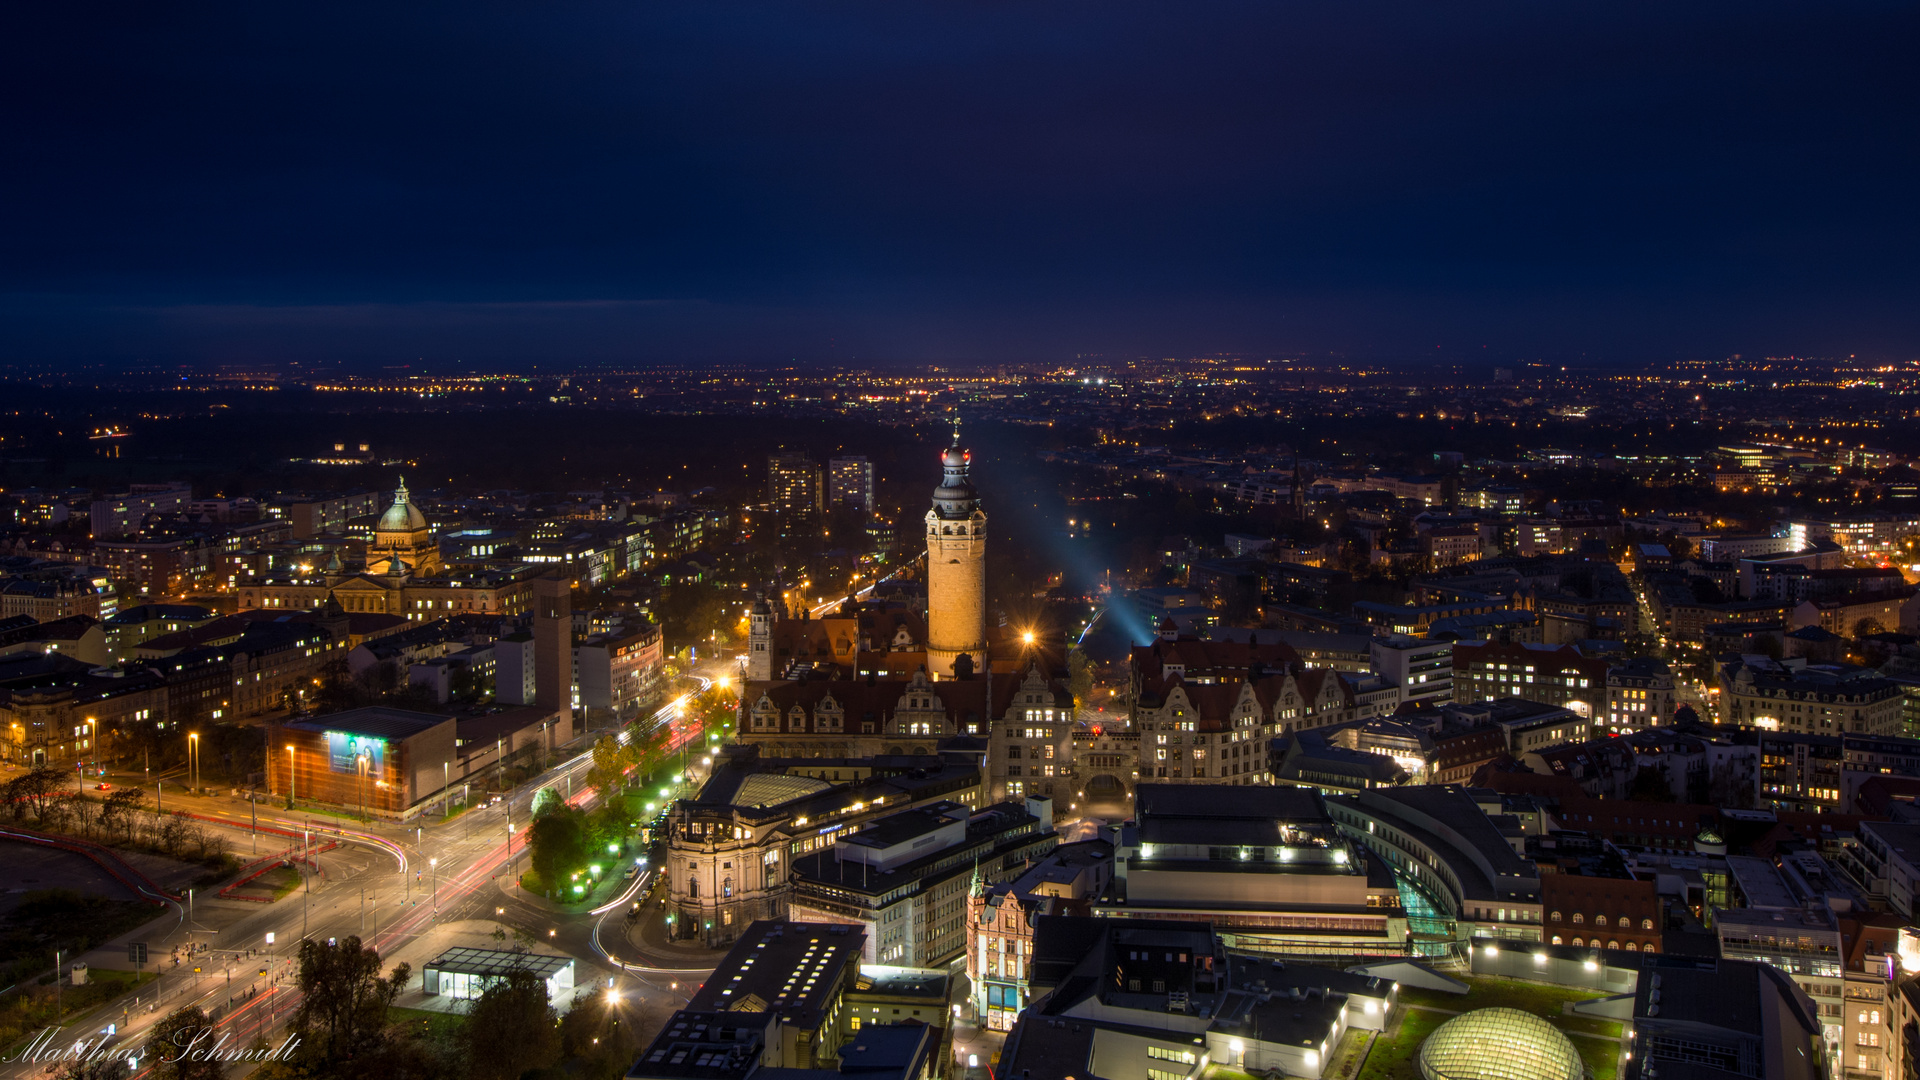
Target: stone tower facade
956,568
760,640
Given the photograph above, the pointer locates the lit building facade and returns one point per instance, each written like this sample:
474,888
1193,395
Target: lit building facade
956,569
384,762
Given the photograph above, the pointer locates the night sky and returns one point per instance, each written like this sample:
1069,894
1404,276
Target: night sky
504,184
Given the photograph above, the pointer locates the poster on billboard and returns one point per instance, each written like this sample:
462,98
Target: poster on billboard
344,749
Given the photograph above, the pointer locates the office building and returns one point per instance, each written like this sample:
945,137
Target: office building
1549,674
1163,999
123,514
850,484
553,644
794,487
791,1000
1462,859
731,848
1823,699
1640,693
904,878
1270,862
1421,668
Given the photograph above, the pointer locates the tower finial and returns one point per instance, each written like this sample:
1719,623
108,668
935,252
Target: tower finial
956,431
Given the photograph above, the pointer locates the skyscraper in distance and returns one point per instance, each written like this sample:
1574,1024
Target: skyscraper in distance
850,484
794,487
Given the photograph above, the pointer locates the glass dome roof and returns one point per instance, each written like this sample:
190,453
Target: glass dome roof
1499,1044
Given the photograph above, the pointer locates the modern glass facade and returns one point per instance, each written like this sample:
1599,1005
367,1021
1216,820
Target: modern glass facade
465,973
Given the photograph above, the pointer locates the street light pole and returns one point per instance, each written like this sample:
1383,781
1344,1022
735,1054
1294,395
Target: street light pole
193,754
434,865
293,763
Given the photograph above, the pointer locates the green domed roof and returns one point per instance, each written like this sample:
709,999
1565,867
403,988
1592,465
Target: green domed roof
1499,1044
402,516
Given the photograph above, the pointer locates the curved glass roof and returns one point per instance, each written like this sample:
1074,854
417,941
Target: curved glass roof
1499,1044
773,789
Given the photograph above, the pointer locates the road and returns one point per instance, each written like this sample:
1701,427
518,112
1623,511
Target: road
386,884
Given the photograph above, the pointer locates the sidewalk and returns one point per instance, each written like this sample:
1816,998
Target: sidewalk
649,935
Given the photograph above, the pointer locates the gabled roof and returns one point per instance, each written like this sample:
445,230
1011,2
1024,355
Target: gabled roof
1211,657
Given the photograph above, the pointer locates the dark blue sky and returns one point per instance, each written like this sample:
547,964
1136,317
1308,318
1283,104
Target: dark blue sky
650,181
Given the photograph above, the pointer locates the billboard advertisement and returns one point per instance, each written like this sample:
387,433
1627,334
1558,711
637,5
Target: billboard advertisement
343,750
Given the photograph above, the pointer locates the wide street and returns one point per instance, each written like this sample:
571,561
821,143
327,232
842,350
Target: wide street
394,887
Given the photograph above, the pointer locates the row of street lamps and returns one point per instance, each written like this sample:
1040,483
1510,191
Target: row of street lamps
93,748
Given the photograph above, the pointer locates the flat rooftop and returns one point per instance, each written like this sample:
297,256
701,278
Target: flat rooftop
904,825
1268,804
790,968
377,721
497,962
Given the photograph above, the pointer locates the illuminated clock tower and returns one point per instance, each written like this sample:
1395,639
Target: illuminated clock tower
956,568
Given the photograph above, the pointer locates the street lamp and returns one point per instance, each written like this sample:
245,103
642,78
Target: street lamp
93,739
193,752
434,865
292,761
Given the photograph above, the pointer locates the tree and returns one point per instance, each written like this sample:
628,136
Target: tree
37,791
179,1046
609,766
120,810
558,843
511,1030
613,817
544,802
107,1068
1079,675
1867,627
343,1011
597,1037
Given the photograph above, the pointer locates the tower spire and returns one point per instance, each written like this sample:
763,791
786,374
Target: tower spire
956,431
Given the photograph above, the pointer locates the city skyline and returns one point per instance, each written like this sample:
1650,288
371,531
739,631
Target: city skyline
960,541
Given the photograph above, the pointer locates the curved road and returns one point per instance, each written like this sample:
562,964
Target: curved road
386,884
